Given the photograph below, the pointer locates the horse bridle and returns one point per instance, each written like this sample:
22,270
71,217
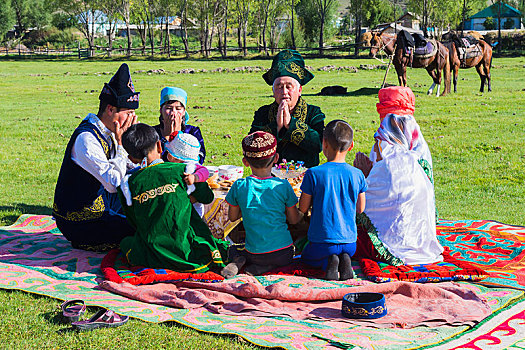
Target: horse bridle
383,44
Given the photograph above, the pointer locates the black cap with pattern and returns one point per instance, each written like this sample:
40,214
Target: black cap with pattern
120,92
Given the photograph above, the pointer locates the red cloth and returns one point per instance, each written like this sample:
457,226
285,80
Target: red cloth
364,247
397,100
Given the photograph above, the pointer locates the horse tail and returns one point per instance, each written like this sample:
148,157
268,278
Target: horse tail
446,72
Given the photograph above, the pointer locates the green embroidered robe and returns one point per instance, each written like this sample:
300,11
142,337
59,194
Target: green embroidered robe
302,141
169,232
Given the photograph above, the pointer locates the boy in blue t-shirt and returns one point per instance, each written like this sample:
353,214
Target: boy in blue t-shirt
336,192
264,202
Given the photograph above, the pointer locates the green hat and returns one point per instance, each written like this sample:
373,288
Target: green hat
288,63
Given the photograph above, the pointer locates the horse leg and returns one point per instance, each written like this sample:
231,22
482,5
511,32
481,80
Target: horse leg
456,71
400,74
479,69
487,74
435,79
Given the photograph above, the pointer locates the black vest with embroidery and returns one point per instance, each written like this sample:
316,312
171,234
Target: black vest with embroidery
78,194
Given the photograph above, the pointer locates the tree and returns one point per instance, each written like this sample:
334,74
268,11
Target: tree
124,12
316,16
87,14
31,13
7,17
357,9
293,4
242,11
111,8
325,8
184,26
379,11
276,23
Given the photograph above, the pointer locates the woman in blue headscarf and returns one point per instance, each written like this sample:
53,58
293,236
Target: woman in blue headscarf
174,118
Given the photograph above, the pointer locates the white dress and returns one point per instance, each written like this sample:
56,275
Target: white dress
400,203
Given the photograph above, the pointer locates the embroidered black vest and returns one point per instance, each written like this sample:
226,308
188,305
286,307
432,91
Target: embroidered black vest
78,194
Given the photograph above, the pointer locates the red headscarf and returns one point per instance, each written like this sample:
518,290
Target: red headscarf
397,100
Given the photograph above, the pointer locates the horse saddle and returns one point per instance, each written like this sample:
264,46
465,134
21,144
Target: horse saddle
428,50
469,52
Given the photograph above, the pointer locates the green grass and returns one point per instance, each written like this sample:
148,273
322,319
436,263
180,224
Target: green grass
476,142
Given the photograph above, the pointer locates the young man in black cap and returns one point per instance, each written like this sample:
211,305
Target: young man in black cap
86,207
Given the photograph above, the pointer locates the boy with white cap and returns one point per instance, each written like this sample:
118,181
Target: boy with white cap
184,148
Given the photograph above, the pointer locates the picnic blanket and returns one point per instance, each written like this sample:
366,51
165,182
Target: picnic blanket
450,269
116,268
497,248
35,257
409,304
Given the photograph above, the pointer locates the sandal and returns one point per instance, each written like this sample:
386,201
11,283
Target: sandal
102,319
72,310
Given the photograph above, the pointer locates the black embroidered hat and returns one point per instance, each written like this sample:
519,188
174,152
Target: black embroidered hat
288,63
120,92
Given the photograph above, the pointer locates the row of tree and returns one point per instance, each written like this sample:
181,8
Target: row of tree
269,23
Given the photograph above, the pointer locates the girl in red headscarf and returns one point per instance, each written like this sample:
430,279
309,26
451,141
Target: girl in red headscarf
400,196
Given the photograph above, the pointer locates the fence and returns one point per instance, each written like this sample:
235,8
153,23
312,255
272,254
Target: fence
160,51
510,45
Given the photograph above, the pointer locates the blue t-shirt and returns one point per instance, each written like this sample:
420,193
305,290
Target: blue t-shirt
263,203
334,188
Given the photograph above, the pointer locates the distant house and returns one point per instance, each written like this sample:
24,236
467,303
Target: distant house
510,18
408,21
174,26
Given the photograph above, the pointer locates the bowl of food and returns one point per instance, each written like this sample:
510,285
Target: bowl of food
230,172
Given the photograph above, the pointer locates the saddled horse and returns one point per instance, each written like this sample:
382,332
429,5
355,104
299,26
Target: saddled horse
435,64
482,61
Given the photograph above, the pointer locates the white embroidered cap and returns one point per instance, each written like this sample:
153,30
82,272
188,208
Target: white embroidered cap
184,147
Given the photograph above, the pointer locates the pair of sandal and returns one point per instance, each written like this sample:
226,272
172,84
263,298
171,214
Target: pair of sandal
73,310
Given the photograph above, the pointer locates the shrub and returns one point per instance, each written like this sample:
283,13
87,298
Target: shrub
50,36
508,24
489,23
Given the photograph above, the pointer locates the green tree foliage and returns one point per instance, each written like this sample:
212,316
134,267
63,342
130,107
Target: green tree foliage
317,19
379,11
7,17
31,13
489,23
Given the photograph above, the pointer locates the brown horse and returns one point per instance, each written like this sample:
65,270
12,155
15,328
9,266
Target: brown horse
434,65
482,62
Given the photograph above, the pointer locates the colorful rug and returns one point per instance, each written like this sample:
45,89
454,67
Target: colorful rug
303,299
450,269
34,257
116,268
497,248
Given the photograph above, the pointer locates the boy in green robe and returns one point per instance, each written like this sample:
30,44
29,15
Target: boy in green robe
169,232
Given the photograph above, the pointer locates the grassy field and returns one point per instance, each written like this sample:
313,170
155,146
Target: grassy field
476,142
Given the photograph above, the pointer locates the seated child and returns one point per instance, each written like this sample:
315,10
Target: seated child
264,202
336,191
185,148
169,232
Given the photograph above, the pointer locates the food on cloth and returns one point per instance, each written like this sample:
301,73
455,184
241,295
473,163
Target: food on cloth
216,183
291,171
287,170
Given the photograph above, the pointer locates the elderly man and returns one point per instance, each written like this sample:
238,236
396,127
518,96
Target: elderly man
297,126
86,207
